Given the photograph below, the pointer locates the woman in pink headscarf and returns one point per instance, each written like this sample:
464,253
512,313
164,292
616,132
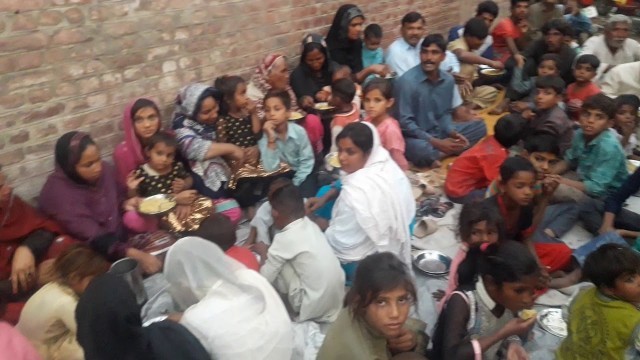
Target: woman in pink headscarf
141,120
273,73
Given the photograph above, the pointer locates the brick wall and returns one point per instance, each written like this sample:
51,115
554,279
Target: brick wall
74,64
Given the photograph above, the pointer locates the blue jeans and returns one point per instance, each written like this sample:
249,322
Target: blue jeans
581,253
473,196
558,218
421,153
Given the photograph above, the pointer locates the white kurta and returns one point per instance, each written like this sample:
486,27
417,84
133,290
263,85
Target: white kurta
303,267
622,79
597,46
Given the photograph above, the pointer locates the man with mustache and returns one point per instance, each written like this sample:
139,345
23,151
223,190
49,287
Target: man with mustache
614,47
424,101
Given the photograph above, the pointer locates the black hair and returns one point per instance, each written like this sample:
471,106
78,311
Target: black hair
600,102
288,201
279,182
343,89
513,165
474,213
141,104
627,99
384,85
488,7
208,92
360,134
218,229
161,137
609,262
375,274
436,39
542,143
562,26
476,28
588,59
509,130
514,3
227,84
283,95
412,17
373,31
552,82
551,57
68,152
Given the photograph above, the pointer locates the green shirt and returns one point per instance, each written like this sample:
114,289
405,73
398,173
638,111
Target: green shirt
353,339
600,164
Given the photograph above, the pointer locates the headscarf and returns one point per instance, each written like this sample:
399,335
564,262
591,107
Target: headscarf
216,289
258,85
342,49
189,101
303,80
380,195
110,327
68,152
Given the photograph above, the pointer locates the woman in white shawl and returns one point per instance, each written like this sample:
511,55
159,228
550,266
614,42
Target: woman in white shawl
233,311
376,194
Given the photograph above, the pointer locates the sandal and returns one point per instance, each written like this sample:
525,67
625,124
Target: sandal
425,227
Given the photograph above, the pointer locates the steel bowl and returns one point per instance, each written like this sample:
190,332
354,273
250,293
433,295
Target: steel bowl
490,72
431,262
159,211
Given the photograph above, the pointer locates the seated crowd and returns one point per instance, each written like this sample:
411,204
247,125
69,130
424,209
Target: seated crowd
334,247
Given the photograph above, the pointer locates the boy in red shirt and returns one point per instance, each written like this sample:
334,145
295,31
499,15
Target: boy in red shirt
476,168
584,71
508,35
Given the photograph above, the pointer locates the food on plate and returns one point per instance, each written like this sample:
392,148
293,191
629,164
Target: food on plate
527,314
156,205
295,115
323,106
492,72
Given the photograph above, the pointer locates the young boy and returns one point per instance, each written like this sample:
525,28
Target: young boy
584,71
261,226
372,53
218,229
300,263
475,32
549,118
474,169
522,89
509,36
488,11
626,122
544,154
522,215
344,72
286,142
343,92
595,154
604,321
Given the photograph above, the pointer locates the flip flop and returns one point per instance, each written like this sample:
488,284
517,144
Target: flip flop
425,227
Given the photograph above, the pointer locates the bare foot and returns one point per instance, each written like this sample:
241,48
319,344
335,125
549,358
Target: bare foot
500,108
571,279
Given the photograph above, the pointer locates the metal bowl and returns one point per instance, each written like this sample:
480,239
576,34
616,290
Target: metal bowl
490,72
159,211
432,263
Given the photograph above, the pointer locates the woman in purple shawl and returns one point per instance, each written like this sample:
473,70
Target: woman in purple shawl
82,196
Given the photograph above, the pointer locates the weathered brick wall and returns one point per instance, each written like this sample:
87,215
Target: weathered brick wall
74,64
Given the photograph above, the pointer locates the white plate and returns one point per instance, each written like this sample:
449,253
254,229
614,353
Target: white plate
551,321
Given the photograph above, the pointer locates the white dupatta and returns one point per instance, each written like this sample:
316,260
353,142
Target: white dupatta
380,195
233,311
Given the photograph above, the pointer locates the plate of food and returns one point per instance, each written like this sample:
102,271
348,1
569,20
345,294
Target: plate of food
431,262
331,161
323,106
551,321
295,116
157,205
492,72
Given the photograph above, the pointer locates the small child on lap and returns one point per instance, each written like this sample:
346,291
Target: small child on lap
343,92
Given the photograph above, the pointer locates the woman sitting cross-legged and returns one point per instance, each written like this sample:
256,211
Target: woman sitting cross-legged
375,193
83,197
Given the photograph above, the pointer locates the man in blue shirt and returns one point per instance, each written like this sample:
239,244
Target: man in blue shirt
424,97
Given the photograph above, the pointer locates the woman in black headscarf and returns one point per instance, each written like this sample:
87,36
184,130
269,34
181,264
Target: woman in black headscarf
110,327
345,44
314,71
